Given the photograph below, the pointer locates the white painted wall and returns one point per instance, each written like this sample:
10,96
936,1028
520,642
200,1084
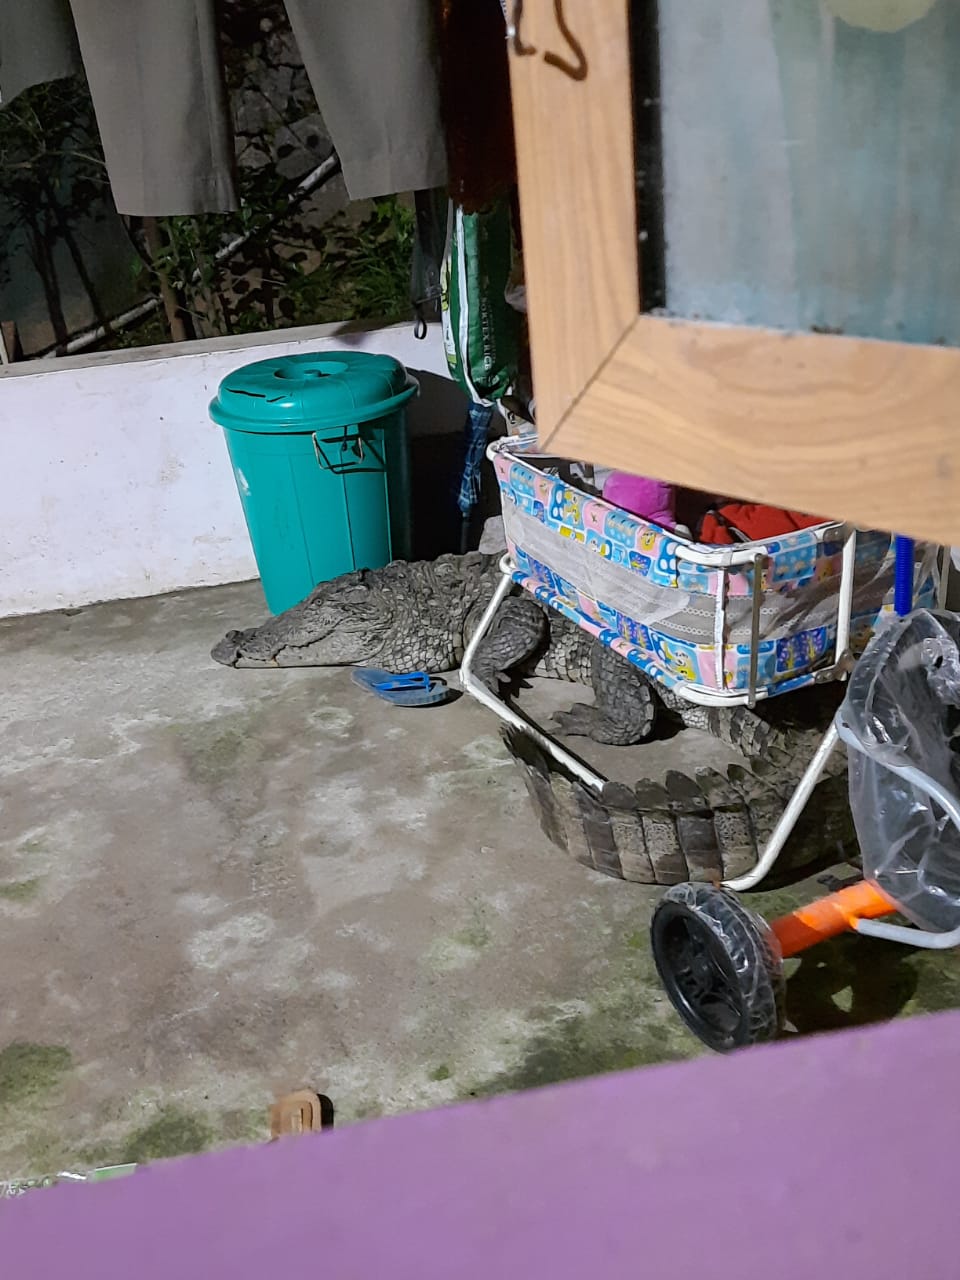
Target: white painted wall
114,482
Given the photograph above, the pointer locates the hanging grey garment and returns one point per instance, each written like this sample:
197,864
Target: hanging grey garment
155,76
157,86
37,44
373,68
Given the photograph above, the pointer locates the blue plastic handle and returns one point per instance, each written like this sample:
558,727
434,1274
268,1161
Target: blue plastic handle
903,575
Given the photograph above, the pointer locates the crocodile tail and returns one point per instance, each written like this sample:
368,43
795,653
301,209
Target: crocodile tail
760,736
710,827
739,727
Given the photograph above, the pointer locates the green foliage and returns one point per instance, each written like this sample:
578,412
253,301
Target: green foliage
50,152
52,175
289,270
349,269
288,273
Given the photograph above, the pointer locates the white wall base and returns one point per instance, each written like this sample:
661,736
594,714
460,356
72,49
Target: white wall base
115,483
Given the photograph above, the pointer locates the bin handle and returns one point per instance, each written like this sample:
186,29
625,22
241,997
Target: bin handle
338,468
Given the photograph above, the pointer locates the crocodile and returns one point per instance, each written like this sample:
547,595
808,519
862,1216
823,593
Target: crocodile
411,616
404,617
420,616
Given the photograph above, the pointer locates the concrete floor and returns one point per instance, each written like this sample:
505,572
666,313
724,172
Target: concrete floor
219,885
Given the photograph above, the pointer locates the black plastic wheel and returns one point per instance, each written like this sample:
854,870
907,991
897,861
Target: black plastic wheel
720,965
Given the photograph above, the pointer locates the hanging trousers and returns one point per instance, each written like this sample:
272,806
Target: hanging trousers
156,79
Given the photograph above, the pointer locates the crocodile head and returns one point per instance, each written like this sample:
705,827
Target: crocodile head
329,629
404,617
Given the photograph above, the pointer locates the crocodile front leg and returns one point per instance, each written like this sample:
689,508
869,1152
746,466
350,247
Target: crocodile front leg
624,710
517,635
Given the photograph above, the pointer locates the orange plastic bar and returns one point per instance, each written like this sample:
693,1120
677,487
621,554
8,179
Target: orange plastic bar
829,916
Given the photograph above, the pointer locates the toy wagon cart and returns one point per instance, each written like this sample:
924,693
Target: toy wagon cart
722,964
719,626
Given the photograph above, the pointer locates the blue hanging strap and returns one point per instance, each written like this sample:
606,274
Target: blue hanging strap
476,432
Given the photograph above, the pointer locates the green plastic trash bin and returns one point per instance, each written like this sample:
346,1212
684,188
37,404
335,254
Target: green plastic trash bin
319,451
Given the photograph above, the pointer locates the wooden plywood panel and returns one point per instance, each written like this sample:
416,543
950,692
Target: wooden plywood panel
572,110
847,427
857,429
812,166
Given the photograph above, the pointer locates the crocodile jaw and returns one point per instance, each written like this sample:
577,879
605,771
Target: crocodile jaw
338,641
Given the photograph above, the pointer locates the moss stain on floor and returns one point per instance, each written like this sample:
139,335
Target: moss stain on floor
28,1071
852,981
172,1133
623,1021
20,890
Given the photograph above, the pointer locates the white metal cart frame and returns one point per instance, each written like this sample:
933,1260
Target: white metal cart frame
596,782
723,559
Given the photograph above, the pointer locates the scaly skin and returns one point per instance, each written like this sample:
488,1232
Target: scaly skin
525,636
415,617
404,617
709,827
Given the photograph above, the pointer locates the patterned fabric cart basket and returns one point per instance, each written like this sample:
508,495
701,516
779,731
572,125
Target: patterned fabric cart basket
718,625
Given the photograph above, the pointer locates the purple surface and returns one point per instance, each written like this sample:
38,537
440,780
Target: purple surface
828,1155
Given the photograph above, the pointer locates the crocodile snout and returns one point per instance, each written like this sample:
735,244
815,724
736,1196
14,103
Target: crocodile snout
228,649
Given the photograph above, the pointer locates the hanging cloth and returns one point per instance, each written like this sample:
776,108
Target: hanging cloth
156,80
475,101
476,432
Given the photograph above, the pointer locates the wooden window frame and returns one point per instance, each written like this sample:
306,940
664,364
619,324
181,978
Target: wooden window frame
853,428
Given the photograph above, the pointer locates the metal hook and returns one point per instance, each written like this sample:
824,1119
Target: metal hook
513,32
578,70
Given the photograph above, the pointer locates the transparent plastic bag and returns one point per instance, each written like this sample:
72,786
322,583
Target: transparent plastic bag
902,709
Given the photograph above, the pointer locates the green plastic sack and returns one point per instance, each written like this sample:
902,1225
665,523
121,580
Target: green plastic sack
481,331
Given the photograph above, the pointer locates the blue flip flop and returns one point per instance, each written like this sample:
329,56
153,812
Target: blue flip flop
418,689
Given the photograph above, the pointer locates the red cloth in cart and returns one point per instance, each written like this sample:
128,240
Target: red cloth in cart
753,520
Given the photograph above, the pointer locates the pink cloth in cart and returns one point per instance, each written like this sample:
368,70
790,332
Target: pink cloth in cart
653,500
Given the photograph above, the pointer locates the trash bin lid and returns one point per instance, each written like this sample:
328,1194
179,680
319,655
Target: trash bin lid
311,391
